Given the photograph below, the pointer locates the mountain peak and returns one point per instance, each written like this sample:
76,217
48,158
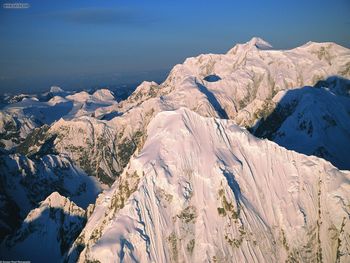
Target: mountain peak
259,43
62,220
254,43
54,200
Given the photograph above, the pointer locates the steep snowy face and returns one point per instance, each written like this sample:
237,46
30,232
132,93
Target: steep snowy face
203,189
47,231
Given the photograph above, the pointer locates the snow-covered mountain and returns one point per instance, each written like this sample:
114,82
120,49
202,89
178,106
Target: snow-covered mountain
19,118
221,195
184,178
25,182
47,232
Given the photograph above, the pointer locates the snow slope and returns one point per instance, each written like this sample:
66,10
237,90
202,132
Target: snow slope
221,195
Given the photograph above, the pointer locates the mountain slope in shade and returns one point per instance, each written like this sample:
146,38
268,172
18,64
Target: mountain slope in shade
312,120
24,183
13,130
203,189
47,231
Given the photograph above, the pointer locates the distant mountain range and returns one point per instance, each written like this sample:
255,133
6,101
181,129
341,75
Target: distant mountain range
236,157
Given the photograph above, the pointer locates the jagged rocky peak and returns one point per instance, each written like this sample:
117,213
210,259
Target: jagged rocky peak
55,200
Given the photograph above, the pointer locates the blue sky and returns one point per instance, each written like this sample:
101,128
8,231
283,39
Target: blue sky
85,43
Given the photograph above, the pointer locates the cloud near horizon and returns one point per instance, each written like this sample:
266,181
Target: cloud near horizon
105,16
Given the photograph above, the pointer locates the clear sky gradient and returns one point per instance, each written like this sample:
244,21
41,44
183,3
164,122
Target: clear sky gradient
79,43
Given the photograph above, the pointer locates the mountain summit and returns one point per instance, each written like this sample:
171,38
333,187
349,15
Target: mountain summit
254,43
259,43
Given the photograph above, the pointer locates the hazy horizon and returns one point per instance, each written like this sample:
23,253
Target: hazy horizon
95,43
